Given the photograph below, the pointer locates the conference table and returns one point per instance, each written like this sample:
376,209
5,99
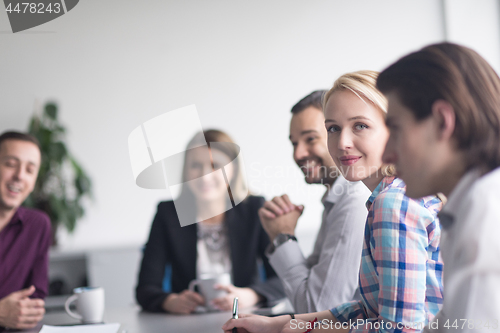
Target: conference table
133,320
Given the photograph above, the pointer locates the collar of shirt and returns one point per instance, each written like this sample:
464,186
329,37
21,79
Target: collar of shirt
337,190
17,217
446,215
386,181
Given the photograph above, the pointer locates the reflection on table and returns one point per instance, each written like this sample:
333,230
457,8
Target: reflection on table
133,320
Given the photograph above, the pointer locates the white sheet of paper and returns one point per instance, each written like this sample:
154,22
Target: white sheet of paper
99,328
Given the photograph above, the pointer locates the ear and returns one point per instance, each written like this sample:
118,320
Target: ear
444,116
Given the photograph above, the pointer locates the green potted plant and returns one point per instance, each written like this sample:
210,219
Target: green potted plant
61,183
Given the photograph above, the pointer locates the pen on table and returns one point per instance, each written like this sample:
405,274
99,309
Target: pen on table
235,312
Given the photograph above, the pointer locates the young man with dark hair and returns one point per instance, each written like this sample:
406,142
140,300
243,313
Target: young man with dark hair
329,276
25,235
444,121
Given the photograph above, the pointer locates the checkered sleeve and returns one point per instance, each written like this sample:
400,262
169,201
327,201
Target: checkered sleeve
351,311
397,246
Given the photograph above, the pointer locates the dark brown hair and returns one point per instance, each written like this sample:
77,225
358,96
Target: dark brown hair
461,77
314,99
13,135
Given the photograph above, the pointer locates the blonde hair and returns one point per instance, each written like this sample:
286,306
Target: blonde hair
364,85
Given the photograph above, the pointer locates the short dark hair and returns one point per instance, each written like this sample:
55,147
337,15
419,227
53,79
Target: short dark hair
314,99
14,135
461,77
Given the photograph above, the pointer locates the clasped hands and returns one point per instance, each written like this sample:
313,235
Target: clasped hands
280,216
187,301
19,311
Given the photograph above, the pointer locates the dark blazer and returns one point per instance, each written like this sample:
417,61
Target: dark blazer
169,243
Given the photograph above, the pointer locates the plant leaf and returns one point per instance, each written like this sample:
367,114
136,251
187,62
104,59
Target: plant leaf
57,152
51,190
51,110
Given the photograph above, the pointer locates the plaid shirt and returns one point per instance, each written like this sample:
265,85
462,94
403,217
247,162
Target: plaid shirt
401,273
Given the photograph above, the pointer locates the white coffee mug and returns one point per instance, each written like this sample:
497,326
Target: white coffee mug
89,304
206,287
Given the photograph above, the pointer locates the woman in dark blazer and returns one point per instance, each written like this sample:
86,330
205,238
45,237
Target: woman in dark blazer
228,237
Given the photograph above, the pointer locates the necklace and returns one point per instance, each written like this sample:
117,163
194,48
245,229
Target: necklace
212,235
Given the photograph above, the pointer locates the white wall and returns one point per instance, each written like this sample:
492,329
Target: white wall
111,65
475,24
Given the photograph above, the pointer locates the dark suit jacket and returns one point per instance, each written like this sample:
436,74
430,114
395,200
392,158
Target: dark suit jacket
169,243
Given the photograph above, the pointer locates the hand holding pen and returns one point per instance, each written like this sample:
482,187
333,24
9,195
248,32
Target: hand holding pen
235,312
250,323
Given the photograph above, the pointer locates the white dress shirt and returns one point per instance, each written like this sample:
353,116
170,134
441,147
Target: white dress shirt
329,276
471,253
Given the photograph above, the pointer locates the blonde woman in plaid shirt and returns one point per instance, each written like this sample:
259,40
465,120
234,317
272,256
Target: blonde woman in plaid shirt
400,274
